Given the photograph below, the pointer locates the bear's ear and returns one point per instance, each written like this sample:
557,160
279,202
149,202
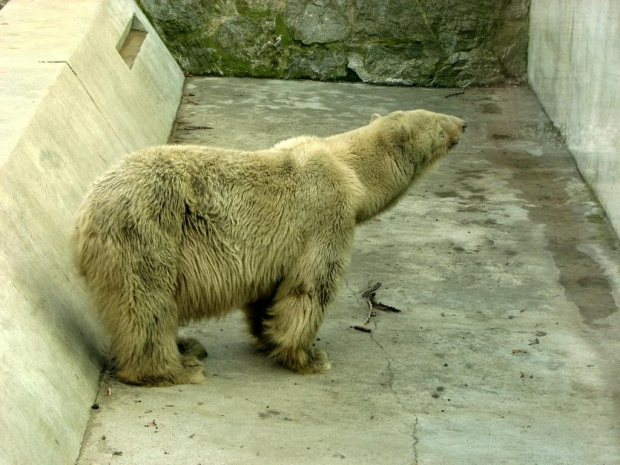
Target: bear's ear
374,117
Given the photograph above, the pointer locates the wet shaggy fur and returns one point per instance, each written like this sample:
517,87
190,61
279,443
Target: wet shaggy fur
179,233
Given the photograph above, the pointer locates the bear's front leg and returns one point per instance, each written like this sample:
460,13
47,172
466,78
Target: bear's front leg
293,322
298,307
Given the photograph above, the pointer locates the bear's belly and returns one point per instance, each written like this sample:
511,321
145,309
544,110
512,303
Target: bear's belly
213,281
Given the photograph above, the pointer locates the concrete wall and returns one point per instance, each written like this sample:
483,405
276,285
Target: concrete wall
574,68
69,108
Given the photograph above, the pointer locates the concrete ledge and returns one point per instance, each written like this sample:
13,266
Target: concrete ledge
69,107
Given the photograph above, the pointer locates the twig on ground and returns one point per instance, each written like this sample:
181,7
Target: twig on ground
370,293
385,308
369,311
194,128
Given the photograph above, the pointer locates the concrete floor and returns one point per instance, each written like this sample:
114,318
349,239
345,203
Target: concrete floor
505,269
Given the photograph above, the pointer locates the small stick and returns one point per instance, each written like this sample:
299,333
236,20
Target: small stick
369,293
369,311
193,128
362,328
385,308
454,94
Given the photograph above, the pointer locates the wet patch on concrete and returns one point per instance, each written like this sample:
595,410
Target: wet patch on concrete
595,218
470,209
500,136
541,129
469,174
446,194
537,179
491,109
270,414
474,190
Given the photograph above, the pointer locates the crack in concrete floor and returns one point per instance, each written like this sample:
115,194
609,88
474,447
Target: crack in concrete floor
394,392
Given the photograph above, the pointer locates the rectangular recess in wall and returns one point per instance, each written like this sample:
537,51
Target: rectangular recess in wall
131,41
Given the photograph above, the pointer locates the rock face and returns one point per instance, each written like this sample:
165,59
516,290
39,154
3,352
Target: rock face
405,42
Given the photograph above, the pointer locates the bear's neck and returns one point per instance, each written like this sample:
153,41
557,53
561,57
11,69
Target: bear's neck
383,173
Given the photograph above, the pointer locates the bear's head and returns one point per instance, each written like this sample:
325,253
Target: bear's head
422,137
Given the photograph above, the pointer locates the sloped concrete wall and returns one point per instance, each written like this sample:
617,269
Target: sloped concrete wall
69,108
574,68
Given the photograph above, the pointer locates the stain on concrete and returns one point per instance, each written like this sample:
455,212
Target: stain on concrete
584,281
50,160
544,129
268,414
474,190
470,209
468,174
491,109
446,194
595,218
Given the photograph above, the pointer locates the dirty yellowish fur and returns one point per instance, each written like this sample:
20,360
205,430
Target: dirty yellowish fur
179,233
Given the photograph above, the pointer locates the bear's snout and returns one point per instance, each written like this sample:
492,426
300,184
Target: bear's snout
454,129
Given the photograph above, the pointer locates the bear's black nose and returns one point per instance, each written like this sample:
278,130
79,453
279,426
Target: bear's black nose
464,125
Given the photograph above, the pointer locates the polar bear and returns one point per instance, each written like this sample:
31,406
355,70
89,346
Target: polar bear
179,233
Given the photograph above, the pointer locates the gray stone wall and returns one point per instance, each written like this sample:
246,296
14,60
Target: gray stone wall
406,42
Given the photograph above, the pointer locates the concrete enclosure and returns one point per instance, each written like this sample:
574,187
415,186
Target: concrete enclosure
69,107
507,273
574,68
506,349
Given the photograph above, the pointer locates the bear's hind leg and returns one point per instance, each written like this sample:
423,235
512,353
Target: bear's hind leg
256,314
145,345
163,366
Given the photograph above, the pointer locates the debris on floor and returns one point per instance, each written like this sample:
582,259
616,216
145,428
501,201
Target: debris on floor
370,294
